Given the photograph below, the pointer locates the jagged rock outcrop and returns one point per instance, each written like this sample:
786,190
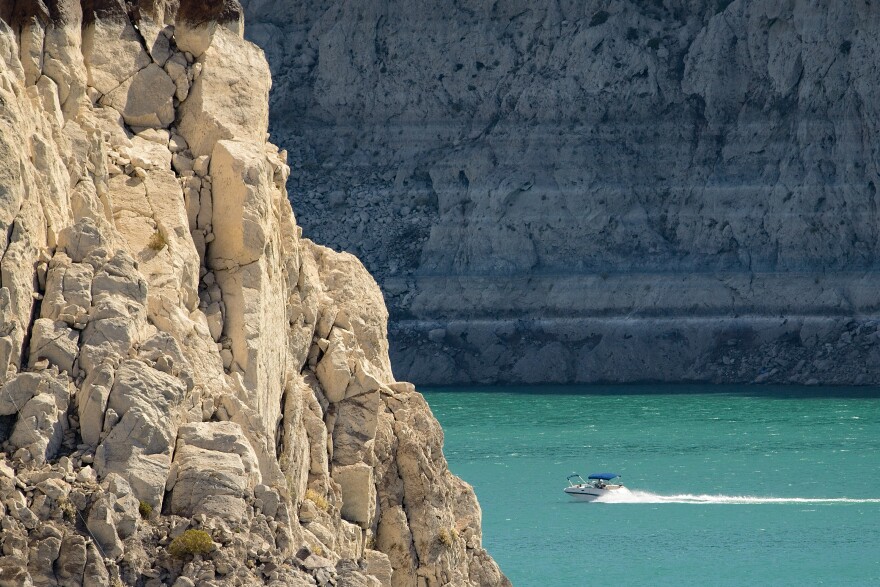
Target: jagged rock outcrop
190,392
617,190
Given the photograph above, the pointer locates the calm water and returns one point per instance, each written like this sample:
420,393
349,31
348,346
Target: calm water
744,486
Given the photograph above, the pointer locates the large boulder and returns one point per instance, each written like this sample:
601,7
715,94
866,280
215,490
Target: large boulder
214,468
230,99
68,294
113,52
358,492
40,402
140,437
145,99
56,342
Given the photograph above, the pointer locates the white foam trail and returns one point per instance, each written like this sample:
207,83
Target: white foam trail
626,496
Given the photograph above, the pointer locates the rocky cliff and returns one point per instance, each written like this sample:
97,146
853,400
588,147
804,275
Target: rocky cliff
616,190
190,392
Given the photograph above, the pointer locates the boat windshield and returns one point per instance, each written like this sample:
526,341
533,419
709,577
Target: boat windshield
603,476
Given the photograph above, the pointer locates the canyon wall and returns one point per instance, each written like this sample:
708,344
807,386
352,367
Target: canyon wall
191,392
618,190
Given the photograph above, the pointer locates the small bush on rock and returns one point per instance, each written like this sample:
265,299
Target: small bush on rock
68,510
319,500
190,543
447,537
157,241
145,510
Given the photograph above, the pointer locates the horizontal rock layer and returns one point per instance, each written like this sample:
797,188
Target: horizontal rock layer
190,392
551,163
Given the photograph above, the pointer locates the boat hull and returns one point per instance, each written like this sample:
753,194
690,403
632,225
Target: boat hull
590,493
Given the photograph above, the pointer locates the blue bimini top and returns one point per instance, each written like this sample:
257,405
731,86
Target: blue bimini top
604,476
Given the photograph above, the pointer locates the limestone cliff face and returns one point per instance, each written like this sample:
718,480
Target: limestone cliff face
173,355
589,191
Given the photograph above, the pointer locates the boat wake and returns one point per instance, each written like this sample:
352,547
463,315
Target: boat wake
646,497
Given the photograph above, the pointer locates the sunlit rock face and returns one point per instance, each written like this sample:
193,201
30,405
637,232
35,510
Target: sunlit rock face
582,191
174,356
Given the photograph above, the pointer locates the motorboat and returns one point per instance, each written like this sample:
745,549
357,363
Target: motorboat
595,486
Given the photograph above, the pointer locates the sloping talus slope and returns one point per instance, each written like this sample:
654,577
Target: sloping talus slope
174,357
584,191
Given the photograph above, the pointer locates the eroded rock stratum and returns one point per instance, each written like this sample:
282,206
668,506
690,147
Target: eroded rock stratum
613,190
173,355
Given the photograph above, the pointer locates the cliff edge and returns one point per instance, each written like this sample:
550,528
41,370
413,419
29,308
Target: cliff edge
190,392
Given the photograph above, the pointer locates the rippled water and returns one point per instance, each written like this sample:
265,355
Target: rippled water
728,486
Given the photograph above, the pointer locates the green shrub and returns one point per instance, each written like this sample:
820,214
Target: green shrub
145,510
157,241
447,537
190,543
68,510
319,500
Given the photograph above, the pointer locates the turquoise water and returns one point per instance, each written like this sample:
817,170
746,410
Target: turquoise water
743,486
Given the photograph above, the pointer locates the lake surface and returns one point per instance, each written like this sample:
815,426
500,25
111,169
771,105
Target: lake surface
730,486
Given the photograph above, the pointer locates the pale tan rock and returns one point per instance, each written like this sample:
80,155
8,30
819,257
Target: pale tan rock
17,392
355,429
124,505
68,294
42,558
40,401
158,39
183,308
242,206
229,99
87,475
378,565
14,572
56,342
92,405
177,70
393,538
177,144
145,99
71,562
31,40
333,371
140,445
361,306
248,259
358,492
63,60
149,152
214,467
195,38
48,92
101,525
117,316
201,165
181,163
112,53
95,573
84,241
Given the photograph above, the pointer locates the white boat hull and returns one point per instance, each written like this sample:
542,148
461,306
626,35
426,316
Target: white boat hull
591,493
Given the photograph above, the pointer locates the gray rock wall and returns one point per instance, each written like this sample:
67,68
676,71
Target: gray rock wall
593,191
